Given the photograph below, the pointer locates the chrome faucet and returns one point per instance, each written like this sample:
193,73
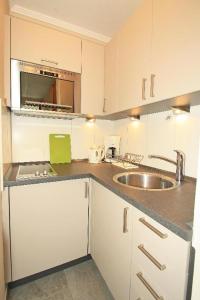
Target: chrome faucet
179,163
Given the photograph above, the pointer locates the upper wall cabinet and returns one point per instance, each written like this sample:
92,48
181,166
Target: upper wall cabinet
127,61
92,79
176,47
111,76
134,57
157,54
42,45
7,60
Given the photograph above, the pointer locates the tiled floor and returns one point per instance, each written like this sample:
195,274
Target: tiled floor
81,282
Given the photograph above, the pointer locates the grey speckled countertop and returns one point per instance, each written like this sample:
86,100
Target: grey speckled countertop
171,208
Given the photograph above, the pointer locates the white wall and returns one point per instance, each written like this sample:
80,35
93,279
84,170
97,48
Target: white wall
30,136
154,134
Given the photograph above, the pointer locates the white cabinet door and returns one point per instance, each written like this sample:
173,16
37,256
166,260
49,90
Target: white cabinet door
134,57
42,45
127,62
92,79
110,245
111,76
176,47
6,234
49,225
7,59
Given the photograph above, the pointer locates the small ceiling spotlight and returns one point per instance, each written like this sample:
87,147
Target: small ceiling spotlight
180,110
134,117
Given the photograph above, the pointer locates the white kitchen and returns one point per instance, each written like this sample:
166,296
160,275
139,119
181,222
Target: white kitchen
99,150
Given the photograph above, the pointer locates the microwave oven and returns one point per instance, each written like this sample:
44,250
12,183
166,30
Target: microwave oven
44,89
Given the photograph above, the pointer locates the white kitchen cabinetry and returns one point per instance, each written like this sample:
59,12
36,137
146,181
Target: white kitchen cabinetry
7,60
134,57
157,54
92,79
162,260
6,234
39,44
111,76
48,225
127,63
175,47
111,239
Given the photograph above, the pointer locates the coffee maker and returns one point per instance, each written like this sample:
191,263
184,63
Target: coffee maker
112,147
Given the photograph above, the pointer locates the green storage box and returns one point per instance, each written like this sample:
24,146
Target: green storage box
60,148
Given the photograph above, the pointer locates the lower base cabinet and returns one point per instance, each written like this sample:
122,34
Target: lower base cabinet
48,225
160,261
138,258
111,234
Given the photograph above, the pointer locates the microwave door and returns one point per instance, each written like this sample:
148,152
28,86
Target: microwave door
46,92
37,89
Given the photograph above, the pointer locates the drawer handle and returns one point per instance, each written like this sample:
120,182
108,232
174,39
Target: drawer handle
152,259
149,288
50,61
152,228
125,217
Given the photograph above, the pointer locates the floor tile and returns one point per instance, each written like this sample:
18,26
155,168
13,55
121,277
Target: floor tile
29,291
80,282
86,283
52,283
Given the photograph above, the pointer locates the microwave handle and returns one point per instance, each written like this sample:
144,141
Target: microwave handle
49,61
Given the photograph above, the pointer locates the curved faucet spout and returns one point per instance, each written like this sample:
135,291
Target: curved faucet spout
180,160
163,158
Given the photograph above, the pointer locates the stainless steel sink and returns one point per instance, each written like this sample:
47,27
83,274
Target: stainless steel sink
145,181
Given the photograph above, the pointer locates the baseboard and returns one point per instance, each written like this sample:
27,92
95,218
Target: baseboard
48,272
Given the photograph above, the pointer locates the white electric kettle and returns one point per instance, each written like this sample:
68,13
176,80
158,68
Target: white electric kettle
96,154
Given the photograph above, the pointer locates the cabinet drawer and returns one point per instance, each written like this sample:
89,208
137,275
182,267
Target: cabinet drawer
170,283
161,255
168,249
145,287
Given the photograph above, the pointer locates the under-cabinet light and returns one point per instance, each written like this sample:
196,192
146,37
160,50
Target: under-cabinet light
179,110
134,117
90,119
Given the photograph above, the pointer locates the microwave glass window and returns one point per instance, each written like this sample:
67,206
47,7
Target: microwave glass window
43,89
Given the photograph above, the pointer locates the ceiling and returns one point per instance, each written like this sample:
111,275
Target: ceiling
100,16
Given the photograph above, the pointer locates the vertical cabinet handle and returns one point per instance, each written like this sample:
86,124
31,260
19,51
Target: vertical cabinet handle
125,221
152,85
86,190
149,288
144,88
104,105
